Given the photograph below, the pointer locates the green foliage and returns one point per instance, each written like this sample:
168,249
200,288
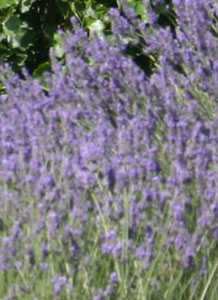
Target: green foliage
28,28
139,8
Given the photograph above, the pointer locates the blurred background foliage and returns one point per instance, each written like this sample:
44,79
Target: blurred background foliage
28,28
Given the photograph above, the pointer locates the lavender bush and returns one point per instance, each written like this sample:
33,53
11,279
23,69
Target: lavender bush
108,173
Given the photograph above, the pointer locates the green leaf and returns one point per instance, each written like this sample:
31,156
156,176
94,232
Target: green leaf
41,69
14,29
141,11
58,47
96,27
139,8
13,24
7,3
26,5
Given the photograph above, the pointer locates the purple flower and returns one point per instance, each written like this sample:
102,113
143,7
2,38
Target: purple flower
178,211
102,144
113,278
53,222
59,282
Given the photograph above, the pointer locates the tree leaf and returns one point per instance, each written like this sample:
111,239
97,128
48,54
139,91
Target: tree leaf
41,69
7,3
13,24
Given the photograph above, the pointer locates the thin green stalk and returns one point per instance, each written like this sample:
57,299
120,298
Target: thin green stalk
209,281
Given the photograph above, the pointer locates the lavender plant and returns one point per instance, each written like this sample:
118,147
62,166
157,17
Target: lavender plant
108,174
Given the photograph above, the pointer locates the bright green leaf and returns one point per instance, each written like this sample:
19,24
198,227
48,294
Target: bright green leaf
96,27
59,51
26,5
8,3
41,69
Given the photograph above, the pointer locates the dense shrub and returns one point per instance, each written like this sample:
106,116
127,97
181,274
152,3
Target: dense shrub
109,174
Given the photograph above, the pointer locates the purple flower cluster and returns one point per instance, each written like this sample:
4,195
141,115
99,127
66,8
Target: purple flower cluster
99,154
